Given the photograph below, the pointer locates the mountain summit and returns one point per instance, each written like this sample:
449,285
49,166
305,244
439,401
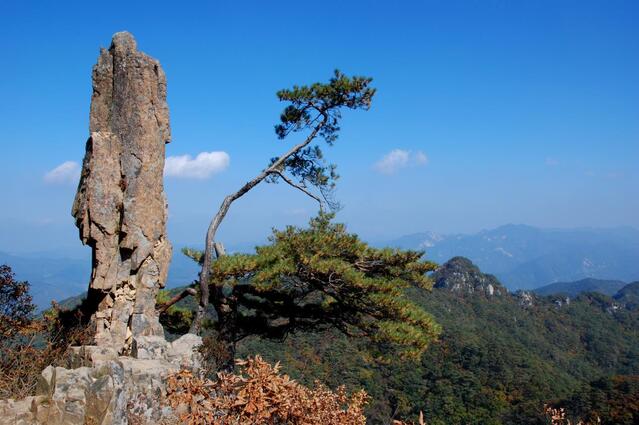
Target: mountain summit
459,274
629,295
526,257
608,287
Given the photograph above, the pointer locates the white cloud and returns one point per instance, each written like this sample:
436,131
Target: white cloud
67,172
202,166
392,161
398,159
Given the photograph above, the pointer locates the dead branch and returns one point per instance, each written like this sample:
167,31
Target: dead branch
302,188
187,292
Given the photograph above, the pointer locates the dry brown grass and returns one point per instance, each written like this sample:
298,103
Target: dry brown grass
29,348
261,395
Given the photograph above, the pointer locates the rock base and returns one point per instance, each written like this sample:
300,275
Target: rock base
102,388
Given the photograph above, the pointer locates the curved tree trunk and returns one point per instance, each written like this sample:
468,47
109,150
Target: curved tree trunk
209,243
227,331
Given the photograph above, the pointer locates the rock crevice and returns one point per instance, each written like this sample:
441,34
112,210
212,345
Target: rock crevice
120,207
112,390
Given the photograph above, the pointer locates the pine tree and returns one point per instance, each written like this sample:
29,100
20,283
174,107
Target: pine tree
320,277
317,277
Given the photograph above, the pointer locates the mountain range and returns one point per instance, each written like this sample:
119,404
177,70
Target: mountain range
520,256
607,287
502,356
526,257
56,277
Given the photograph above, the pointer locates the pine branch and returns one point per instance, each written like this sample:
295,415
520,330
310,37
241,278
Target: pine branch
179,297
301,188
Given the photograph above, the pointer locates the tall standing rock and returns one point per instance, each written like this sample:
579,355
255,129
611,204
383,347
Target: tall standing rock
120,207
120,210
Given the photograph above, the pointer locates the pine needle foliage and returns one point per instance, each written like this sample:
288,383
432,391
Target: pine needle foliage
314,110
309,106
326,99
322,276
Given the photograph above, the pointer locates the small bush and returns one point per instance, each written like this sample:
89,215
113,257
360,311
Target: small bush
28,344
261,395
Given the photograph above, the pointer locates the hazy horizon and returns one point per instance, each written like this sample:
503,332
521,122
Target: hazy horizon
73,248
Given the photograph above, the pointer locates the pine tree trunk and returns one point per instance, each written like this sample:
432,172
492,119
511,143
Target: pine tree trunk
227,331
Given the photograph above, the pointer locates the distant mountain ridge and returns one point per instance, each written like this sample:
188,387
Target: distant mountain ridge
628,295
525,257
520,256
51,278
606,287
58,277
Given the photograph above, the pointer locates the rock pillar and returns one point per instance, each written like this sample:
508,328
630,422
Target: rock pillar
120,207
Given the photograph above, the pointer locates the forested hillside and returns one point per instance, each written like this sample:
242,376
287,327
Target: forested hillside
499,360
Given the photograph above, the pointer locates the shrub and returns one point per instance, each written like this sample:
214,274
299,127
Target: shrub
28,344
261,395
15,304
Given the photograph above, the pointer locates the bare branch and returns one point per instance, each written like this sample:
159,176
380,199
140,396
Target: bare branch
302,188
219,249
187,292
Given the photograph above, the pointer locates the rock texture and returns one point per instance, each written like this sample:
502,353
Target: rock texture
460,275
120,207
525,298
113,389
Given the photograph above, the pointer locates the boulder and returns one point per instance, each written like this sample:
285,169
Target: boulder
122,390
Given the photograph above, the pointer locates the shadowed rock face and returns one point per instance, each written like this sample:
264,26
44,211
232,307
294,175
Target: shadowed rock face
120,207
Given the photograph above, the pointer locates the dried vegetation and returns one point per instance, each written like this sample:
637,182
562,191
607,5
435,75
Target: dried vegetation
261,395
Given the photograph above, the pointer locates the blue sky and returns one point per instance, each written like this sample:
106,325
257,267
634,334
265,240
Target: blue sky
492,112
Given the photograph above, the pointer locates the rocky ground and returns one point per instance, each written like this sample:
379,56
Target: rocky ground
100,387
